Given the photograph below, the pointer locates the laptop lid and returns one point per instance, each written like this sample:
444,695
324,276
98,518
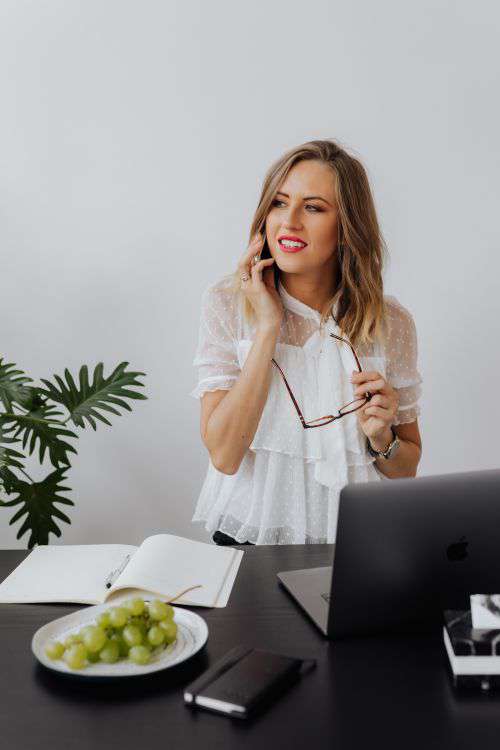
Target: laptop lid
408,548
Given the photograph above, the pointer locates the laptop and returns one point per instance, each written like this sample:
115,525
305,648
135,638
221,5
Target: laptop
406,549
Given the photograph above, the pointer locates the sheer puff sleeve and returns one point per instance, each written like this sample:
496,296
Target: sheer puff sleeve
401,359
216,355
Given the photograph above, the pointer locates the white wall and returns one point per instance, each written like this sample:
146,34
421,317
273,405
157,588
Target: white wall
134,137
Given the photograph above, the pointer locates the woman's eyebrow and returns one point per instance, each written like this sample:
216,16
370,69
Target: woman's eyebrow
308,198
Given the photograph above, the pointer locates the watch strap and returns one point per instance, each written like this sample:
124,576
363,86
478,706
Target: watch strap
387,452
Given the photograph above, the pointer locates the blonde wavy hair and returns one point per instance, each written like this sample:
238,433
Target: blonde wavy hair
361,312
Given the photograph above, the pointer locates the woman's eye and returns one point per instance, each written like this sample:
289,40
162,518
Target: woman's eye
308,205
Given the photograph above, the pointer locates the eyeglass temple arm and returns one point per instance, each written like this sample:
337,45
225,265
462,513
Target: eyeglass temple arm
351,348
368,395
290,392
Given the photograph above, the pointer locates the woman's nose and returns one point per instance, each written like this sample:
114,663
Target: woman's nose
292,218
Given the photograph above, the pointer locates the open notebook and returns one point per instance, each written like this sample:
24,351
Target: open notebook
163,565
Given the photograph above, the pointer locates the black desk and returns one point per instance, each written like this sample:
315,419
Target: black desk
392,692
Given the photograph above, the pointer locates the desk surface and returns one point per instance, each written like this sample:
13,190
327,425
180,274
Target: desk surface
394,691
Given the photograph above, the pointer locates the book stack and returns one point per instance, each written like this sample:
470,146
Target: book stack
473,653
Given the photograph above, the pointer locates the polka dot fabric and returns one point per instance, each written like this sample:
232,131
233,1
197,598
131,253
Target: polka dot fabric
287,487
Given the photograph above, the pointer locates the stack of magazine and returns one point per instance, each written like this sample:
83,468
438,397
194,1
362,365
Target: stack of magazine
473,653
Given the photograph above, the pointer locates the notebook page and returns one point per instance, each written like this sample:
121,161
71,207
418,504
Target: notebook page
166,564
72,573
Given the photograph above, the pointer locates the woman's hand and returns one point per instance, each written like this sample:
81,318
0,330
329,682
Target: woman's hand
259,288
379,413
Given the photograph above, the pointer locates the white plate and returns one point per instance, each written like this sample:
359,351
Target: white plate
192,634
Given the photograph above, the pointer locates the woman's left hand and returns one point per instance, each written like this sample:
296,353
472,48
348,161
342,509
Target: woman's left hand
379,413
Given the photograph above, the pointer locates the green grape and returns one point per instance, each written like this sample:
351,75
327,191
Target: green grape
75,656
72,640
103,620
122,646
138,622
135,606
169,628
94,638
157,610
93,656
132,635
54,650
156,635
170,612
110,652
143,630
117,617
139,654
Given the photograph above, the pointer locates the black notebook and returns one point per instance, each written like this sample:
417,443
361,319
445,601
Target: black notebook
245,680
473,653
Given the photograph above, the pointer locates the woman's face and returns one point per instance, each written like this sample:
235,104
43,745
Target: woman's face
304,208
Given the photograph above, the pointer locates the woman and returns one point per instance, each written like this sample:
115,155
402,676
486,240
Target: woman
278,353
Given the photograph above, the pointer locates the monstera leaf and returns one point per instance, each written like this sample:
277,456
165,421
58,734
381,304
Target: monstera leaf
8,480
37,500
84,403
8,456
30,398
12,388
40,424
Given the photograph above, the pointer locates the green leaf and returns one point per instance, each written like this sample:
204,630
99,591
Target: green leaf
8,456
31,398
8,480
40,425
84,403
12,388
37,501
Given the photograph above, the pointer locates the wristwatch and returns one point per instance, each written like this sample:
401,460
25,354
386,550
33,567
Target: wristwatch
389,451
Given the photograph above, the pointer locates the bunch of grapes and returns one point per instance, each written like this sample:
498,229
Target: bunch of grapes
133,630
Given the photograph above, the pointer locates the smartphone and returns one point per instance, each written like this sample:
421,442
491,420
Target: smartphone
266,253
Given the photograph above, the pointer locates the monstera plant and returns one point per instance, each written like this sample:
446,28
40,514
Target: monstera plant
33,413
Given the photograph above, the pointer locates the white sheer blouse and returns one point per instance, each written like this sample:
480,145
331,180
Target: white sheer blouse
287,487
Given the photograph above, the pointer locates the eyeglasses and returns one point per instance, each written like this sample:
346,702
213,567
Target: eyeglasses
347,409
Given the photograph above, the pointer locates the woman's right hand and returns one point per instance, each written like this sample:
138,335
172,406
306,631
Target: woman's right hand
259,289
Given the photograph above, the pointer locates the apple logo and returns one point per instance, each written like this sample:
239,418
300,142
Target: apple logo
458,550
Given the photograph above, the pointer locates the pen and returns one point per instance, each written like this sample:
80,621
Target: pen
115,573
